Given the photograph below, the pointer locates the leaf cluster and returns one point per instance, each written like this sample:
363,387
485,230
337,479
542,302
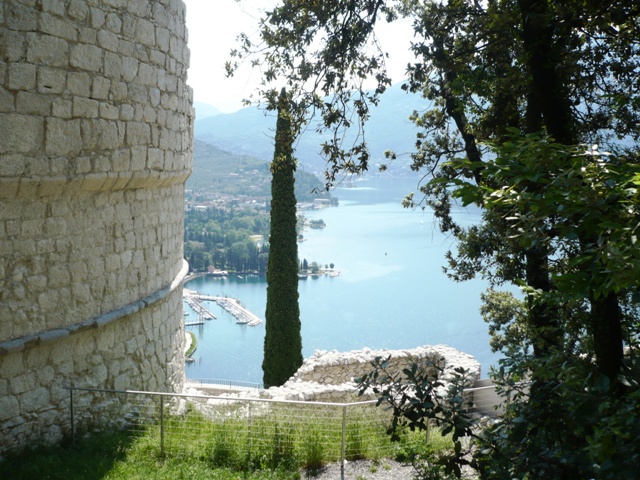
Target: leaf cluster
421,395
575,426
323,51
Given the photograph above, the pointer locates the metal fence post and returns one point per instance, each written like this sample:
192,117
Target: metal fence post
73,428
248,436
161,425
428,431
344,440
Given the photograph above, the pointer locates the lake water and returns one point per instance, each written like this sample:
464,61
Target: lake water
391,292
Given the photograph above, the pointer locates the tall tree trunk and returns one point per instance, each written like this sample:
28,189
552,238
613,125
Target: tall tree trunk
541,318
606,328
544,49
544,59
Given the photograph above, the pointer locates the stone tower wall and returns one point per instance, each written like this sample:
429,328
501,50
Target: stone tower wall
95,146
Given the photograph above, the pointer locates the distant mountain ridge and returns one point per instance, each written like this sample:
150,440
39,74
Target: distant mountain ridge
204,110
215,170
249,131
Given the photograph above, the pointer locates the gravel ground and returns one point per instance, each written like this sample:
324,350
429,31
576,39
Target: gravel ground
374,470
366,470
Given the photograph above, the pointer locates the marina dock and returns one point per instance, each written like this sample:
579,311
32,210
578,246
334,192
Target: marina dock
194,300
231,305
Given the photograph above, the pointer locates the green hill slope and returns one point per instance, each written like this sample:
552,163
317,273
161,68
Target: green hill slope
222,172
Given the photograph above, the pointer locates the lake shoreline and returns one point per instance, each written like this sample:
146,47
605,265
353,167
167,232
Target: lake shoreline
391,292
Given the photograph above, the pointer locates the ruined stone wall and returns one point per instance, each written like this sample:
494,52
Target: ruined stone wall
95,146
330,376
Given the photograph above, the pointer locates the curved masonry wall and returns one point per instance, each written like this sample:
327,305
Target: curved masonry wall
95,146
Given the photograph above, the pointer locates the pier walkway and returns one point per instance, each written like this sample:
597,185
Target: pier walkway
193,299
231,305
191,324
242,315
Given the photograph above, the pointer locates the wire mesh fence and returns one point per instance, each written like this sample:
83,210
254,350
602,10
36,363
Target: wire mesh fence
238,432
247,433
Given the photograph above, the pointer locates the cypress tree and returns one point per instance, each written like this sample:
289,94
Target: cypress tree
282,342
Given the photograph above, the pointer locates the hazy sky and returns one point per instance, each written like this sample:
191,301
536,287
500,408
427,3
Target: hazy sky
213,27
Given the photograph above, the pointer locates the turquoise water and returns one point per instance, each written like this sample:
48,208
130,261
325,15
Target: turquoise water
391,292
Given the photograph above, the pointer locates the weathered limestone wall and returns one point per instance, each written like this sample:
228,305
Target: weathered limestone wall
335,368
95,146
329,376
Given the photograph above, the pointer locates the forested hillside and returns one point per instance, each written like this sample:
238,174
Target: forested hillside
229,239
230,227
225,173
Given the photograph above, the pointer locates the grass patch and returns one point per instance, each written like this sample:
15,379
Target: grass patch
414,445
232,444
193,346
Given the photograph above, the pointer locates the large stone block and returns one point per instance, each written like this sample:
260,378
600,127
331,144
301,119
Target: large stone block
147,74
113,68
15,46
63,137
23,383
51,80
33,103
79,84
85,107
47,50
34,400
78,10
54,6
9,408
60,28
100,88
114,22
138,133
108,111
98,18
145,32
108,40
21,76
86,57
20,16
62,108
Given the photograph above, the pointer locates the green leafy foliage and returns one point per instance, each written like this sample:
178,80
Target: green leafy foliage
566,429
518,90
419,397
283,341
222,237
